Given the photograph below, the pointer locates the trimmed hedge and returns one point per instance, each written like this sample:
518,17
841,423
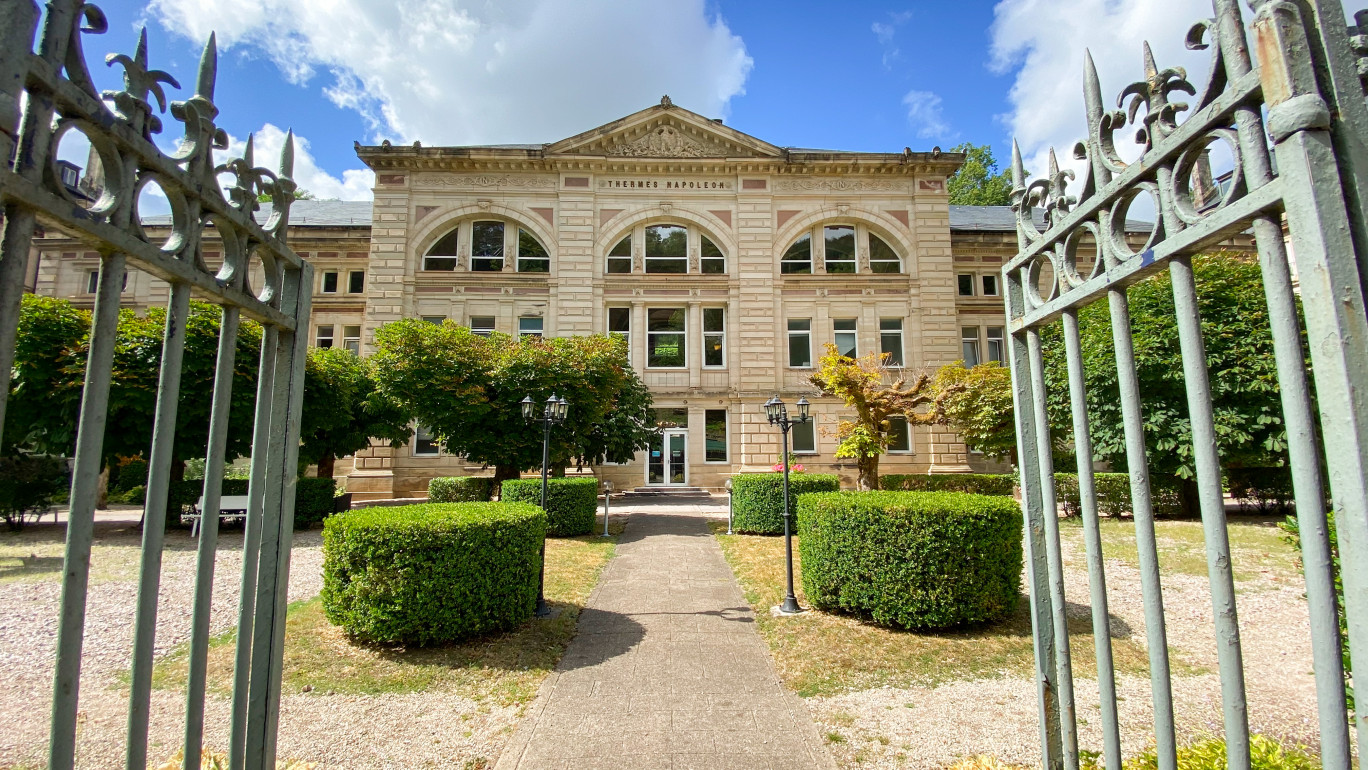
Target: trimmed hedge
971,483
913,560
1114,494
461,489
431,573
571,504
313,499
758,498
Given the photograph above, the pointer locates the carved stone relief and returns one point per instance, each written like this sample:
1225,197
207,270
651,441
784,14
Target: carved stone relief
667,142
523,181
840,184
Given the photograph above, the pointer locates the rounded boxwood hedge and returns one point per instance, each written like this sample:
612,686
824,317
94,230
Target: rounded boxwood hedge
914,560
571,504
758,498
972,483
431,573
461,489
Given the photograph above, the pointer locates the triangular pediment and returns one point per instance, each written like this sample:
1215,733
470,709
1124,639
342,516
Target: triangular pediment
665,131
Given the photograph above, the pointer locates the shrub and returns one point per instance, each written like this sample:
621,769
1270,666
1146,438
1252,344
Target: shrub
571,504
134,496
29,486
758,498
1210,754
971,483
130,473
1261,490
464,489
913,560
1114,494
431,573
313,500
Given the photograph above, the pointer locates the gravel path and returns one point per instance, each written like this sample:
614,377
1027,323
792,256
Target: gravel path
932,727
390,731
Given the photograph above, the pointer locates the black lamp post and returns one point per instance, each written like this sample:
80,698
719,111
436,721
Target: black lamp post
777,411
553,413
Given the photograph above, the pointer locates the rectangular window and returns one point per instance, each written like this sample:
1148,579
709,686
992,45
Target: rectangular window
990,285
351,339
530,327
620,325
665,337
425,444
482,325
715,435
845,336
803,437
891,340
620,258
969,341
966,285
899,435
92,281
487,247
800,343
324,336
435,319
840,248
667,249
995,347
330,282
356,281
714,336
798,259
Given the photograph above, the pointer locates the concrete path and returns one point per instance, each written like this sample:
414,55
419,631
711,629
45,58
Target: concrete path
667,670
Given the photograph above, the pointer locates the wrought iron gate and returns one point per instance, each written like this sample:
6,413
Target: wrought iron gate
1305,166
45,92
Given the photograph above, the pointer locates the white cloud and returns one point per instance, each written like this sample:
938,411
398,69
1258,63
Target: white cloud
354,185
1046,39
466,72
885,33
925,116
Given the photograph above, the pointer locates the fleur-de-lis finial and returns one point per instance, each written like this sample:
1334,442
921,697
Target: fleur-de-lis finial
1152,93
139,82
208,70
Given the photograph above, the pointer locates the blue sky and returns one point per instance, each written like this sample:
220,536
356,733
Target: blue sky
874,76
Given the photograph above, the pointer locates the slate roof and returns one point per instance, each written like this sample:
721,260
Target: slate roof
1001,219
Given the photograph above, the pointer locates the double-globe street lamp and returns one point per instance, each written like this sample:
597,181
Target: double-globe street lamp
553,413
777,411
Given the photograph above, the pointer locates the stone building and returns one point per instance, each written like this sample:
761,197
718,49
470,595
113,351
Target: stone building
727,262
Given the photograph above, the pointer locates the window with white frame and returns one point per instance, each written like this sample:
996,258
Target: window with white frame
620,257
487,247
425,444
666,338
891,340
532,256
667,249
800,343
435,319
620,325
969,343
351,339
966,284
714,337
482,325
798,257
899,435
803,437
996,352
839,241
445,253
323,337
329,281
356,281
714,262
882,257
530,326
715,435
92,281
990,284
845,333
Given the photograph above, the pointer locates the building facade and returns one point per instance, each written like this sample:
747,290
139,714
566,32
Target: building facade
727,263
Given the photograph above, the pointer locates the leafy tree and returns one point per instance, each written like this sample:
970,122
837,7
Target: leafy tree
979,182
344,409
976,403
860,383
300,195
49,370
1239,351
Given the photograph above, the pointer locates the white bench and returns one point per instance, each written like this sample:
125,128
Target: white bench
230,507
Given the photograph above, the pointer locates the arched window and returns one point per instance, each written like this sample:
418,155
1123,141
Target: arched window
488,241
798,258
532,256
487,247
882,257
668,249
839,252
444,253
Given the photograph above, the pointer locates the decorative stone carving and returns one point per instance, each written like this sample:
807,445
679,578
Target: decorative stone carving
667,142
843,208
693,262
521,181
840,184
484,203
665,207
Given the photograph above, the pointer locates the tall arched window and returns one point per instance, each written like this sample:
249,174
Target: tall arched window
489,242
668,249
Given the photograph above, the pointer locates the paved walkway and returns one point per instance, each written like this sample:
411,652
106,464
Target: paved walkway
667,670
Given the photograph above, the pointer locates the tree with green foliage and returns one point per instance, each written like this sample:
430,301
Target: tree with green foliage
49,370
976,403
979,182
467,390
1240,361
344,409
862,384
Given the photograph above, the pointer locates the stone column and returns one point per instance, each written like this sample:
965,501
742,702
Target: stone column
693,325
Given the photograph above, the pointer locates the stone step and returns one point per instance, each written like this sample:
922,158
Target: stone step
667,492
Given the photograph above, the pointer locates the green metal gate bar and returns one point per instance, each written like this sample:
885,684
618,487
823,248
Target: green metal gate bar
1308,81
46,92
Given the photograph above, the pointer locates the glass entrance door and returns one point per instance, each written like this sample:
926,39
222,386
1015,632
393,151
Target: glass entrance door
668,463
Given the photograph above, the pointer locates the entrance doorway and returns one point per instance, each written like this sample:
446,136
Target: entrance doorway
668,463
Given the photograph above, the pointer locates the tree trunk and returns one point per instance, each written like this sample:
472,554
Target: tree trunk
503,473
177,470
557,472
1188,498
325,465
869,473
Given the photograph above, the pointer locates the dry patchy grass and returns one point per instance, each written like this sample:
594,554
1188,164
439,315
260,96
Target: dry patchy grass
503,669
821,653
34,554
